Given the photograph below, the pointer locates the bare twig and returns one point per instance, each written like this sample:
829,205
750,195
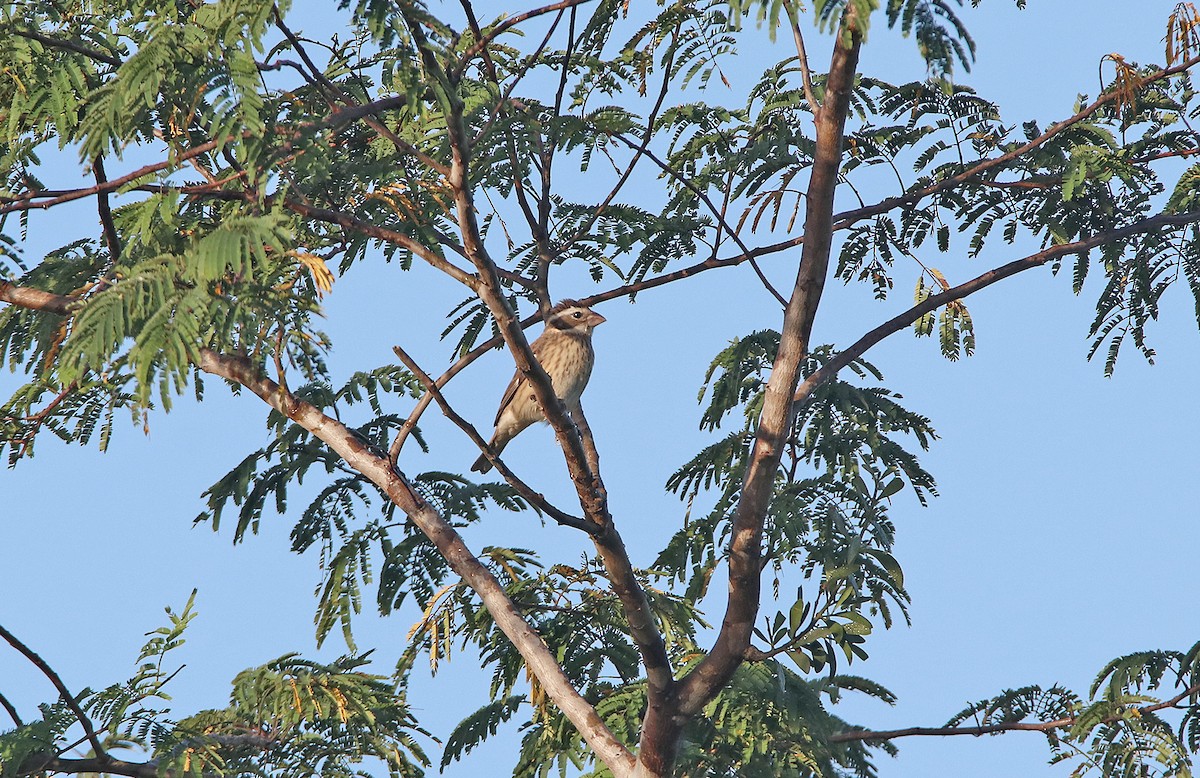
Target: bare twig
991,729
933,302
69,45
704,198
64,693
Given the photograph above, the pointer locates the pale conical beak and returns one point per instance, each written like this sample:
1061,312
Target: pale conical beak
595,318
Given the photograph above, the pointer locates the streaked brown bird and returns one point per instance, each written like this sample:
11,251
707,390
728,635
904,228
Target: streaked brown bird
564,350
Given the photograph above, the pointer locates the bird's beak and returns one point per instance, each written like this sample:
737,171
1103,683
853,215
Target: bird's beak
595,318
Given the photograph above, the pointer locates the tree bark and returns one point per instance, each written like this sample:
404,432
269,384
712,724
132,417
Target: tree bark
449,543
745,552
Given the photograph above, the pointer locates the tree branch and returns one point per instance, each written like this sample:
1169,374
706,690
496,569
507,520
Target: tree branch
588,484
536,499
775,421
514,20
933,302
24,202
68,45
89,728
810,94
343,219
448,542
44,763
36,299
105,212
991,729
11,710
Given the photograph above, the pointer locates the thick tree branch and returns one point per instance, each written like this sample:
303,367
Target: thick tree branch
41,764
588,484
933,302
991,729
775,421
35,299
450,545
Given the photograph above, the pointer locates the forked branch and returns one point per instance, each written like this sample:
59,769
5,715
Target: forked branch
933,302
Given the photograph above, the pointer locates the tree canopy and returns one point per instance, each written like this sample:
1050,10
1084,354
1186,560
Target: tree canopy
234,167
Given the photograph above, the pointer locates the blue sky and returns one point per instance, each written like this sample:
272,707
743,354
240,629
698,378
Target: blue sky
1060,539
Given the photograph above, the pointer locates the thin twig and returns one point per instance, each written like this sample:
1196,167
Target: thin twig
78,48
65,694
717,214
810,94
12,711
1008,726
67,195
651,119
512,21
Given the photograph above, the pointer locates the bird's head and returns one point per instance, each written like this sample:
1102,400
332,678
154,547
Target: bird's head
570,315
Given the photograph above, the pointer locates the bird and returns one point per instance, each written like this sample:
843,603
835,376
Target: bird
564,350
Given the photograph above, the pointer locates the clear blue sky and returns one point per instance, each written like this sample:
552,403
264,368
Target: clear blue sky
1061,538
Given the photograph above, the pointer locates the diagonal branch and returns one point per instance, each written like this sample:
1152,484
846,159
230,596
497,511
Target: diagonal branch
536,499
588,485
775,420
932,303
449,543
513,21
417,248
69,45
89,728
810,94
11,710
24,202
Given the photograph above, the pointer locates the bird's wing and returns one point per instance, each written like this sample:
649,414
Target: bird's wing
509,394
517,379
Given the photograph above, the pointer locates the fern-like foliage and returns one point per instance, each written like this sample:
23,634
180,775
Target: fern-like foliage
829,513
289,717
1121,728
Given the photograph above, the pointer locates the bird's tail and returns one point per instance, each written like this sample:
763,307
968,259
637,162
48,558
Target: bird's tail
482,465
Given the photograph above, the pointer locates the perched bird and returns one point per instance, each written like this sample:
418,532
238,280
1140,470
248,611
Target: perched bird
564,350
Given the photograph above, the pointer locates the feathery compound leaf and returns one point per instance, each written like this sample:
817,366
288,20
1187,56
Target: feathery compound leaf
477,727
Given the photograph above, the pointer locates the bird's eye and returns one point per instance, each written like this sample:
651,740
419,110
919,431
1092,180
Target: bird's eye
577,315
